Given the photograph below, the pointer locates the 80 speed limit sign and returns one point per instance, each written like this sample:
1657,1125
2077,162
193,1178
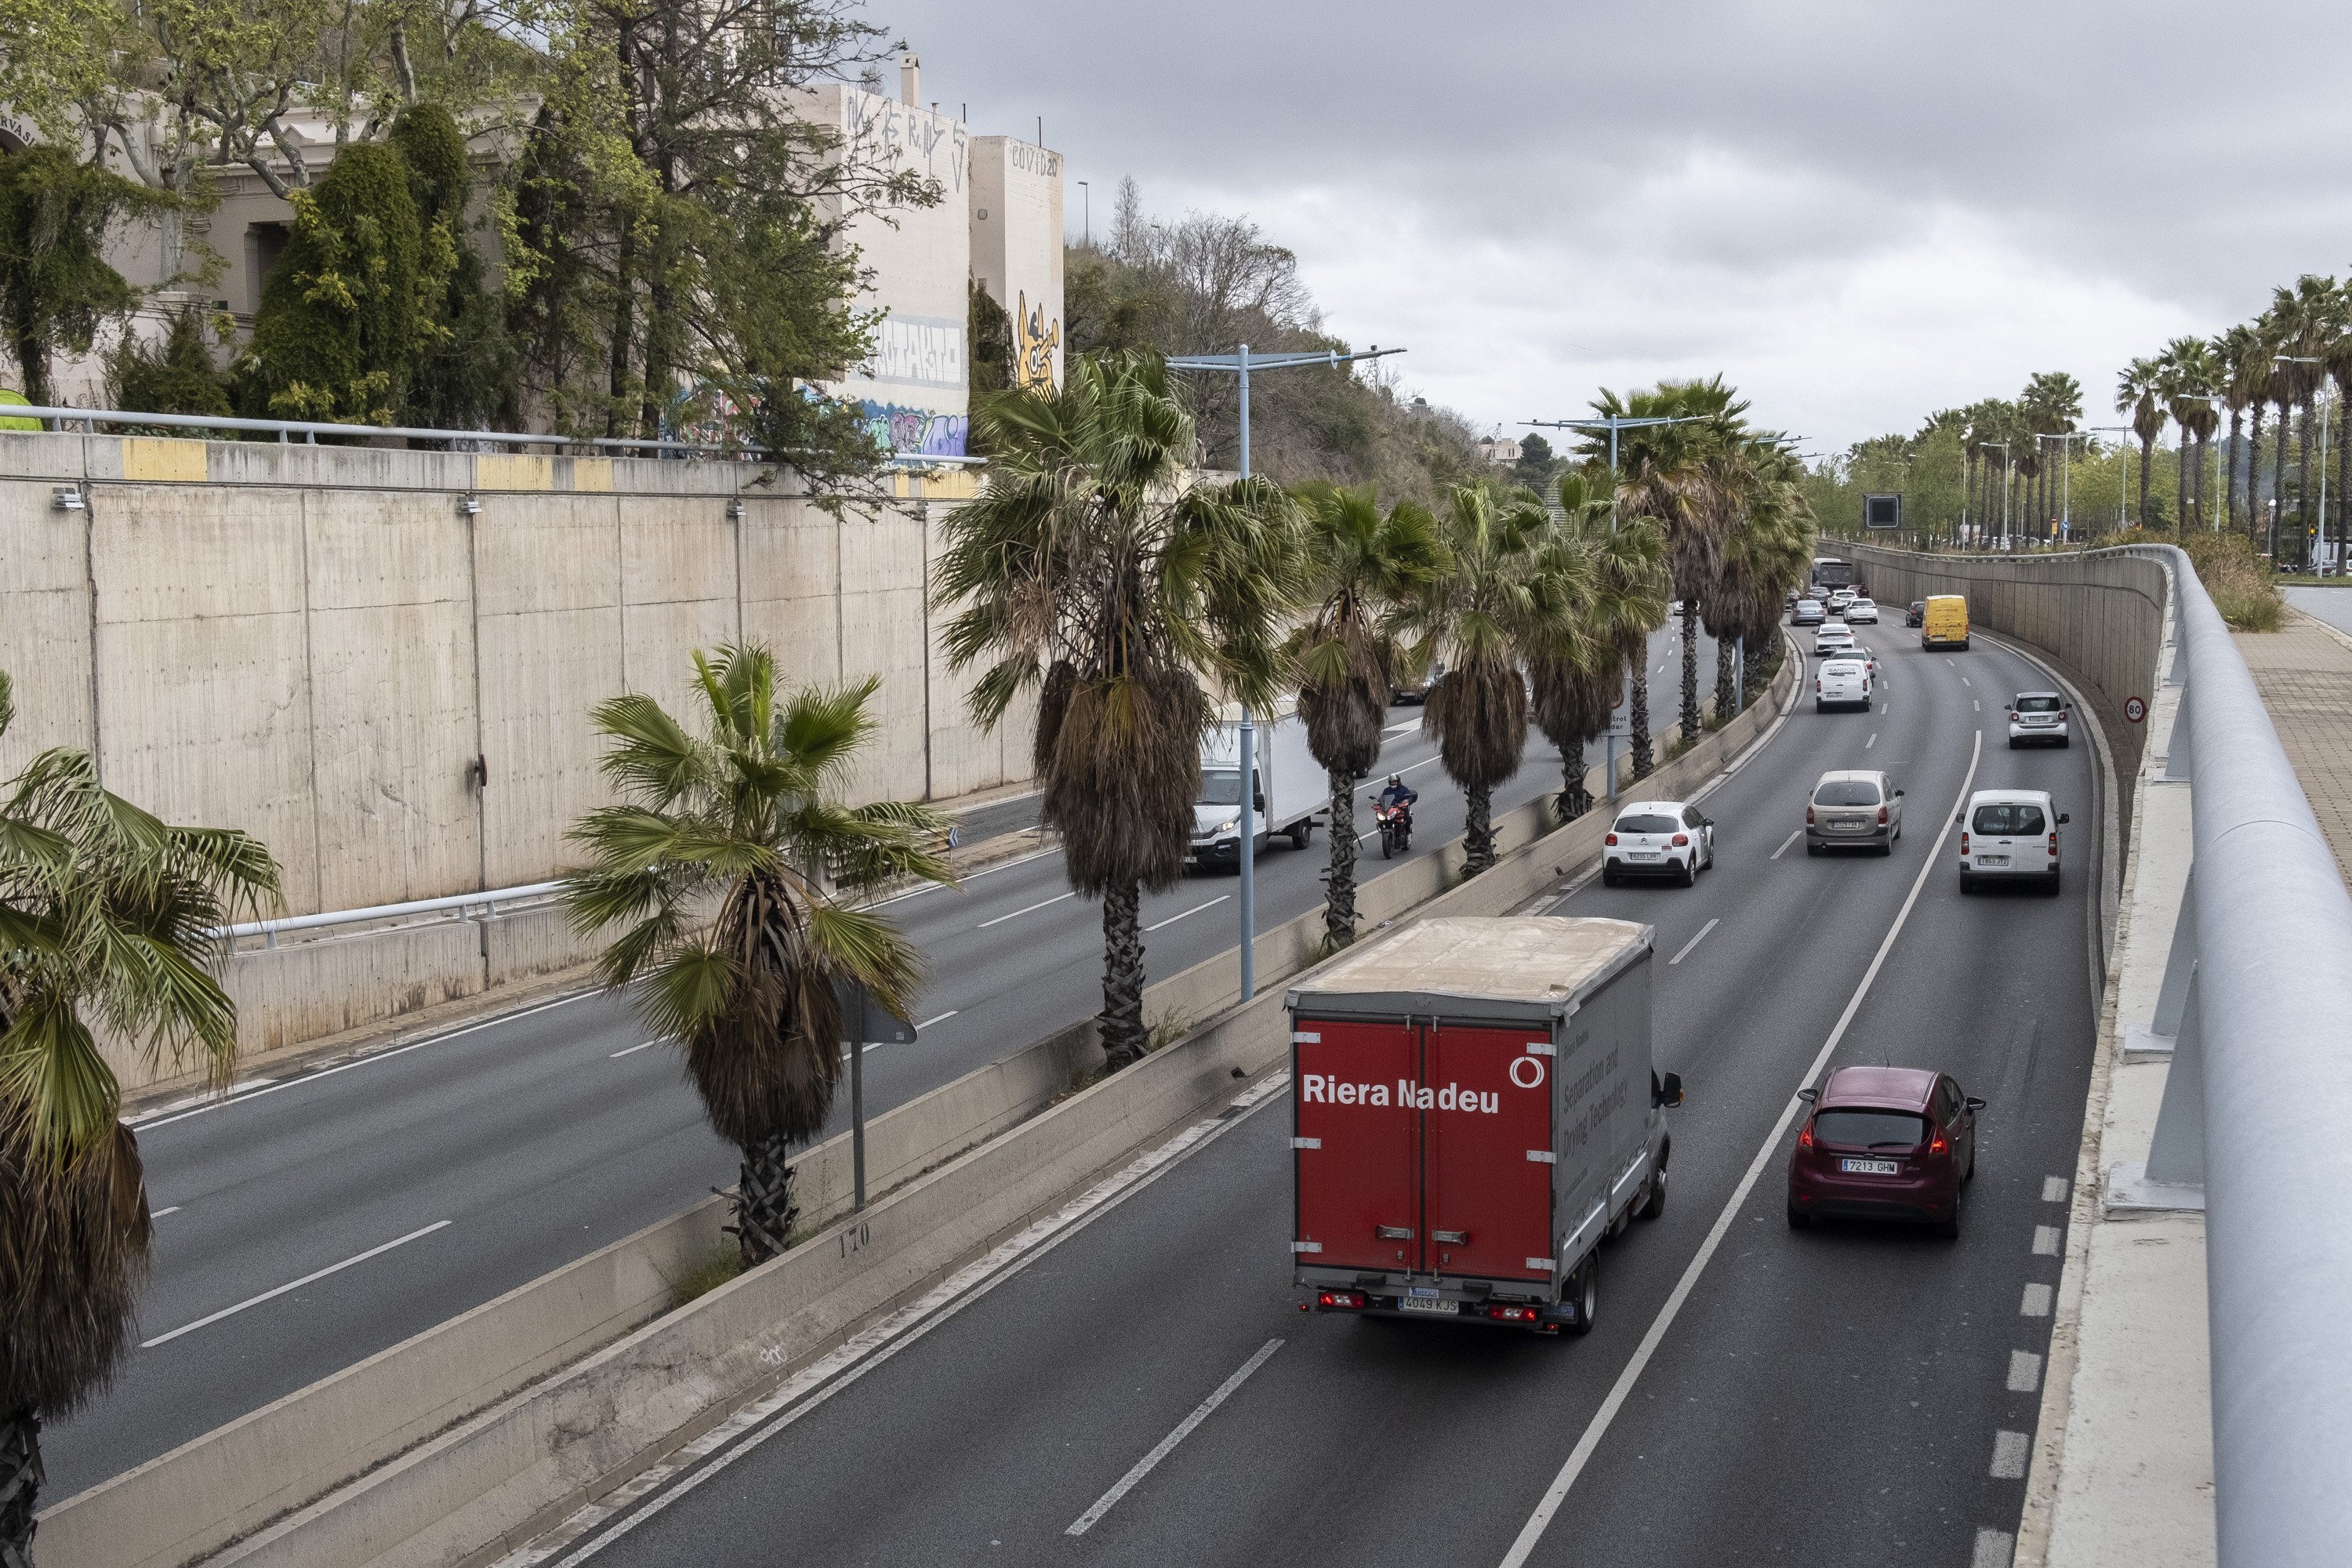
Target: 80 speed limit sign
2135,709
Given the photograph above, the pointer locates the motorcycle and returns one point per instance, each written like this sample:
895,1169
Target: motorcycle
1395,823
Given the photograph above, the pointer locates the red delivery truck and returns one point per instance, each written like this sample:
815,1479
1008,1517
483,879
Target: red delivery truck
1474,1110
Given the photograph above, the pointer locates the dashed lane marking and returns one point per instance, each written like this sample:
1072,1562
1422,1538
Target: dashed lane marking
1167,1445
1693,942
632,1050
2036,1303
1195,910
291,1285
2045,1241
1792,838
2054,1189
1031,908
2025,1372
1994,1549
2008,1451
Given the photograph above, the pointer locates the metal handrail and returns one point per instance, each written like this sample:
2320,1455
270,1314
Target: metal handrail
2273,1051
283,429
489,901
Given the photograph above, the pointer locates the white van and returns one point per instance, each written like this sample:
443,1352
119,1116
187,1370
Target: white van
2008,833
1842,683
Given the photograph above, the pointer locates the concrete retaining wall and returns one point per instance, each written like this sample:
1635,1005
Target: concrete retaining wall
948,1188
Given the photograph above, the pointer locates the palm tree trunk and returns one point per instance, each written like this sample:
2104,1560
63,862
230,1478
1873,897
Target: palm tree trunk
1726,690
21,1480
2343,478
2255,474
2229,478
1574,800
1690,723
2303,487
2146,468
1340,893
1478,828
1122,1014
1638,721
764,1210
1972,513
2181,493
1760,651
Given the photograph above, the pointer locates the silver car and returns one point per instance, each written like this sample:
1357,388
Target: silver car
1853,808
2038,718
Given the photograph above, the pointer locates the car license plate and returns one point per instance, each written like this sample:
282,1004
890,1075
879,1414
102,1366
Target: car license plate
1984,860
1868,1167
1847,826
1422,1304
1643,855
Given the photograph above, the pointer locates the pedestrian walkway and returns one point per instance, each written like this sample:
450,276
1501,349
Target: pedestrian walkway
2303,672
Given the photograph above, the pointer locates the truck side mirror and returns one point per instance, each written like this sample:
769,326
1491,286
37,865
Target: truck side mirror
1809,1095
1898,795
1257,803
1670,1089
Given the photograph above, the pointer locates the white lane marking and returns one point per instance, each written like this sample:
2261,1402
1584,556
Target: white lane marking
2025,1372
1872,741
2045,1240
632,1050
292,1285
1995,1549
940,1019
1557,1494
2036,1303
2054,1189
969,877
872,1346
1031,908
2008,1451
1947,660
163,1119
1195,910
1401,728
1143,1466
1792,838
1426,762
1975,706
1693,942
1965,682
159,1214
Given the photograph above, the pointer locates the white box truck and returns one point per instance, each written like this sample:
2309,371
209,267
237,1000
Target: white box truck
1474,1110
1291,784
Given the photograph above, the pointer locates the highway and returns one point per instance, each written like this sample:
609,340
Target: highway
305,1225
1852,1394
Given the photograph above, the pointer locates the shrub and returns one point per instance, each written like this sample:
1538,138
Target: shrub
2241,583
174,376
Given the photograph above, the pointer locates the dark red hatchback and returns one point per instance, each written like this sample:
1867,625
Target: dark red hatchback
1885,1144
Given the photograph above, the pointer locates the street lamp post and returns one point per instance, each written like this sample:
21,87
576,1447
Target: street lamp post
2065,476
2004,489
1612,424
1242,364
2123,468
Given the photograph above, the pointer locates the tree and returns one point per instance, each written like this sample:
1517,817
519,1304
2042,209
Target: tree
733,936
2244,363
1536,464
1360,566
1576,691
2137,393
992,342
2302,317
2190,381
1089,573
175,375
1507,598
1764,559
55,288
108,918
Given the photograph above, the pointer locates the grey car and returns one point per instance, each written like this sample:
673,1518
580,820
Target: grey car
1853,808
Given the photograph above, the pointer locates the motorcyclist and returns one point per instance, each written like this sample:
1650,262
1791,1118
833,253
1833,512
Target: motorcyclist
1395,792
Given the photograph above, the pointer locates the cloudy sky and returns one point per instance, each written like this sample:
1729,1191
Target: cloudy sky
1858,212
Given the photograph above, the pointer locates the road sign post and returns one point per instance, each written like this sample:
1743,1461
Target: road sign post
864,1021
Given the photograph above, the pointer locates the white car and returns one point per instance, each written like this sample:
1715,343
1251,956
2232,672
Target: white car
1842,683
1854,806
1840,599
2039,717
1657,838
2009,835
1861,612
1832,641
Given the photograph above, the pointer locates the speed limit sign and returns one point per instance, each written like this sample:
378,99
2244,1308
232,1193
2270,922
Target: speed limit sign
2135,709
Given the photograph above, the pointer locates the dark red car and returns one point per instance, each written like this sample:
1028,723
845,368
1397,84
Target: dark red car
1885,1144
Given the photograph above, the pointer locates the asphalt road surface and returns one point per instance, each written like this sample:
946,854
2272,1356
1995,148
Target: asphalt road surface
1854,1395
304,1225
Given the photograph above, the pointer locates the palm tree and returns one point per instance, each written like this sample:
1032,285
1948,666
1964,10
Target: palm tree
2336,351
1505,598
722,864
2053,403
2137,391
108,917
2302,314
1088,571
1762,559
1361,564
2244,363
1575,697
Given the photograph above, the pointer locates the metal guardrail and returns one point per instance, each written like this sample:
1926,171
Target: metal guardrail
286,429
2263,1072
487,902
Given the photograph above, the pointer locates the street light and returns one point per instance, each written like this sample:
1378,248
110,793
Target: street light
2304,359
1612,424
1242,363
2004,489
2065,477
2123,469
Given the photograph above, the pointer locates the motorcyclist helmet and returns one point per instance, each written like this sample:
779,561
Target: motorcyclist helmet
1396,778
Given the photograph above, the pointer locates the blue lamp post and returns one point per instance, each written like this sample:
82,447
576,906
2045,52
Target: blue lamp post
1242,364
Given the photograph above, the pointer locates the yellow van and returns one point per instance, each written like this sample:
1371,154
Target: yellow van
1946,621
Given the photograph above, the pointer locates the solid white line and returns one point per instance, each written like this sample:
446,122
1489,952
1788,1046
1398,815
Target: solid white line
632,1050
1694,941
940,1019
166,1121
292,1285
1554,1496
1143,1467
159,1214
871,1347
1030,910
1195,910
1792,838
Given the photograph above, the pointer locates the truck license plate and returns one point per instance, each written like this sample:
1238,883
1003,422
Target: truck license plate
1992,860
1421,1304
1868,1167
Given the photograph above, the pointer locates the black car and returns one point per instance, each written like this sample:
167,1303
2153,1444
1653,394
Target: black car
1917,614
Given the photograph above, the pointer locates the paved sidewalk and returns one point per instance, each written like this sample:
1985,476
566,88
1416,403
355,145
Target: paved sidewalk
2304,674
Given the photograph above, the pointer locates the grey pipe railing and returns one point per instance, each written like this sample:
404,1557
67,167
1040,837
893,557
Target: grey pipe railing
456,903
2272,994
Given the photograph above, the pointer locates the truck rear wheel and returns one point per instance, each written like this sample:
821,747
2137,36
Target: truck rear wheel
1655,1203
1301,834
1584,1292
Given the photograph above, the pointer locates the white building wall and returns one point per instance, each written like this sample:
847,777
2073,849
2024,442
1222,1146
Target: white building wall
1016,247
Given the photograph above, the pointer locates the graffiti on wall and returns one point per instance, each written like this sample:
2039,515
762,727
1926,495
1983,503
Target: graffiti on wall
882,131
911,432
1034,342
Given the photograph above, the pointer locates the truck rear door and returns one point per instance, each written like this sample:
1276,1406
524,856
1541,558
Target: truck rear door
1489,1146
1356,1155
